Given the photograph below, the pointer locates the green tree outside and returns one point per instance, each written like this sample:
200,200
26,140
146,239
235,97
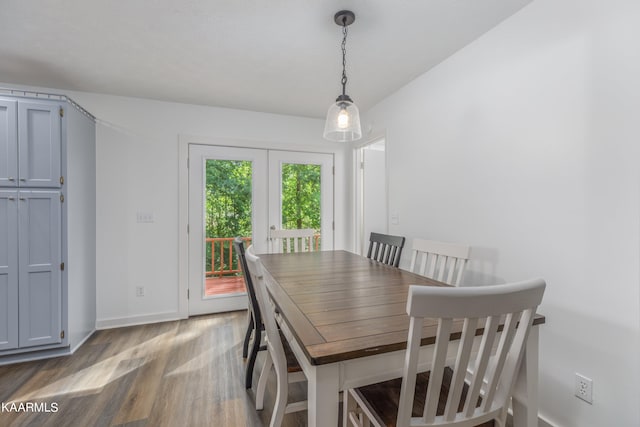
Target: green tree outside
300,196
228,201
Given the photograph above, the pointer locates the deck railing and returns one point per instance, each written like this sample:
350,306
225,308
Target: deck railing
221,258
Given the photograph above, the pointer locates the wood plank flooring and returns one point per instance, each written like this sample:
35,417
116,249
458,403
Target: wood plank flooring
183,373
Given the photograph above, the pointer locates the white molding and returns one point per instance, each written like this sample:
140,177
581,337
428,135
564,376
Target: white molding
327,147
118,322
183,222
77,346
542,422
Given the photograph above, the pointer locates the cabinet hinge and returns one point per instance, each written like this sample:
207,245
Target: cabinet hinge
188,294
62,266
62,198
333,225
61,335
187,228
61,180
187,163
61,112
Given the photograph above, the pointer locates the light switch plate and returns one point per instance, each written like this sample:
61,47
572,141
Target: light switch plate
144,217
395,218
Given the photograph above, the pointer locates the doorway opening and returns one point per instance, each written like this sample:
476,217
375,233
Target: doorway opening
371,192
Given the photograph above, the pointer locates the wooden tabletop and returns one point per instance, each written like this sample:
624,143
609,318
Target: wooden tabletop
342,306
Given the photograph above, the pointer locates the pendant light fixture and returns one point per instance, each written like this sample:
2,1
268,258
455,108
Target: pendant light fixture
343,118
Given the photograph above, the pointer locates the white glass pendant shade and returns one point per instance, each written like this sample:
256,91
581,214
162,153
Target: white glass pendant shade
343,122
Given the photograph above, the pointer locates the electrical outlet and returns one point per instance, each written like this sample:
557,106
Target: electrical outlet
139,291
584,388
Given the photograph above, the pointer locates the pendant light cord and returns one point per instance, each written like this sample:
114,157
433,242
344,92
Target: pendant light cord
344,55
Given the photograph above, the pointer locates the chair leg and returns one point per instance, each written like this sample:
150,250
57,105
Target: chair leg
247,335
282,396
262,381
255,347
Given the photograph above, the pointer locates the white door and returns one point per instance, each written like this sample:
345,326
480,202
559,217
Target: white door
224,177
301,193
241,191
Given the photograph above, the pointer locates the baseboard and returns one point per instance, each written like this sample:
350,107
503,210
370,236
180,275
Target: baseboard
542,422
119,322
82,341
34,355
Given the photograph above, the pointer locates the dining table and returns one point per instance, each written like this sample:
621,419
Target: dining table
345,319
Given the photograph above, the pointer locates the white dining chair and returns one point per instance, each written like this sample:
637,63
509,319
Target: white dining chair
439,260
279,356
442,397
289,241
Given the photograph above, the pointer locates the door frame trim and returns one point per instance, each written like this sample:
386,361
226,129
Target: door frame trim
183,195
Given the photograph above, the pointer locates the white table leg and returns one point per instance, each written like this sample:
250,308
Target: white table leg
323,395
525,396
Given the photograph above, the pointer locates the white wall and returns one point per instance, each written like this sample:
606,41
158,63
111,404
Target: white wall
525,144
137,171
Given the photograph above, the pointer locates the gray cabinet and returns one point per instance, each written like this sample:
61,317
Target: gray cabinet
40,268
30,268
30,143
8,269
46,308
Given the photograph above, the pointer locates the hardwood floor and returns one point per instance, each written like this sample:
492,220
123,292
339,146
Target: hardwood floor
183,373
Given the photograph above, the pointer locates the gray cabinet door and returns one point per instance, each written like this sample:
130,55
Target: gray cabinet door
39,217
39,127
8,143
8,269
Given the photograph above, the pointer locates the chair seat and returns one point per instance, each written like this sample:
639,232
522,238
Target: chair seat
382,398
292,362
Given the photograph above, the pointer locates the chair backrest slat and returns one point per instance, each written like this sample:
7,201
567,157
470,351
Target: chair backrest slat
492,366
460,370
439,260
482,361
385,248
437,371
290,241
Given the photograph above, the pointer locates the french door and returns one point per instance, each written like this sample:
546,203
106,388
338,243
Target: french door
301,193
243,192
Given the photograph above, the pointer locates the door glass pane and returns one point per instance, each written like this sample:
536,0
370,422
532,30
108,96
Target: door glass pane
227,215
301,198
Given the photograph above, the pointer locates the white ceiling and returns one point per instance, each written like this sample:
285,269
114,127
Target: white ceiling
278,56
